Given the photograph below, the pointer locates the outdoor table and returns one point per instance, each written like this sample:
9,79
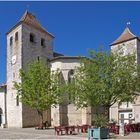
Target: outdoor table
65,130
59,130
77,128
70,130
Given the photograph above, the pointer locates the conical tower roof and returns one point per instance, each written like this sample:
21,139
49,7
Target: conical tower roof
125,36
29,19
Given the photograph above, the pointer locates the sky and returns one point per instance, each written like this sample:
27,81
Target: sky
77,26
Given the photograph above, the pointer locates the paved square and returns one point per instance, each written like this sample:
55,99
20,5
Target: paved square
31,133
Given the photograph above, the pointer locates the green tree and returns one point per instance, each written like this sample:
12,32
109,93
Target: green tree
39,87
104,79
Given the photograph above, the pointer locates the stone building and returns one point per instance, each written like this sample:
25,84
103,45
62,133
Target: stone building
26,41
126,112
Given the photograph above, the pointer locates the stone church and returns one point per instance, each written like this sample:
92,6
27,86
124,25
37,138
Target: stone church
28,40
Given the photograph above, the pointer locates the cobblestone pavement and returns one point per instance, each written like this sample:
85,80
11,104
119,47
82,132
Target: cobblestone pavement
31,133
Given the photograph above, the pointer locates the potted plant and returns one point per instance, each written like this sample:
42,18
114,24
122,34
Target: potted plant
100,129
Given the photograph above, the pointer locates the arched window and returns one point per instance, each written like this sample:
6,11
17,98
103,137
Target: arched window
32,37
17,100
60,78
70,76
70,80
11,40
42,42
38,58
16,36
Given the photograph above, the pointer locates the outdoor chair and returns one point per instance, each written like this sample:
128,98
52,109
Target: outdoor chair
57,130
84,128
127,129
70,130
138,127
114,129
60,130
133,127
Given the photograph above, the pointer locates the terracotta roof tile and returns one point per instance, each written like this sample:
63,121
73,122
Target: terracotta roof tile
125,36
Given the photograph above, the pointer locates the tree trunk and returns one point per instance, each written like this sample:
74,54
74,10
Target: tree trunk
107,111
40,114
96,110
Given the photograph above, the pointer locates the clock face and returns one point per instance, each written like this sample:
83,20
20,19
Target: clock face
14,59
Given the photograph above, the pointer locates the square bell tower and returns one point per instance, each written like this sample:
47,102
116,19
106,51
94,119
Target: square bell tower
26,41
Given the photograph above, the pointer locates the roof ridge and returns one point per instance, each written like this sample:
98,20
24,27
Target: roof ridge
29,19
131,32
125,36
24,16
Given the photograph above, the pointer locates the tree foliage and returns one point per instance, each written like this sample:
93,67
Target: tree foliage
39,87
103,79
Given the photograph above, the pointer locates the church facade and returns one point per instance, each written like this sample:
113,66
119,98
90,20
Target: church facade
28,40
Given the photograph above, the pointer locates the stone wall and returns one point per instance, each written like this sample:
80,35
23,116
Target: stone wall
131,46
114,112
74,115
68,113
3,119
32,51
126,47
14,112
24,52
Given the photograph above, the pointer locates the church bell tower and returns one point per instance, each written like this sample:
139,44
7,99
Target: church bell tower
26,41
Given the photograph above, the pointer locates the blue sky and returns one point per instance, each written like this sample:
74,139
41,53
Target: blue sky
77,26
